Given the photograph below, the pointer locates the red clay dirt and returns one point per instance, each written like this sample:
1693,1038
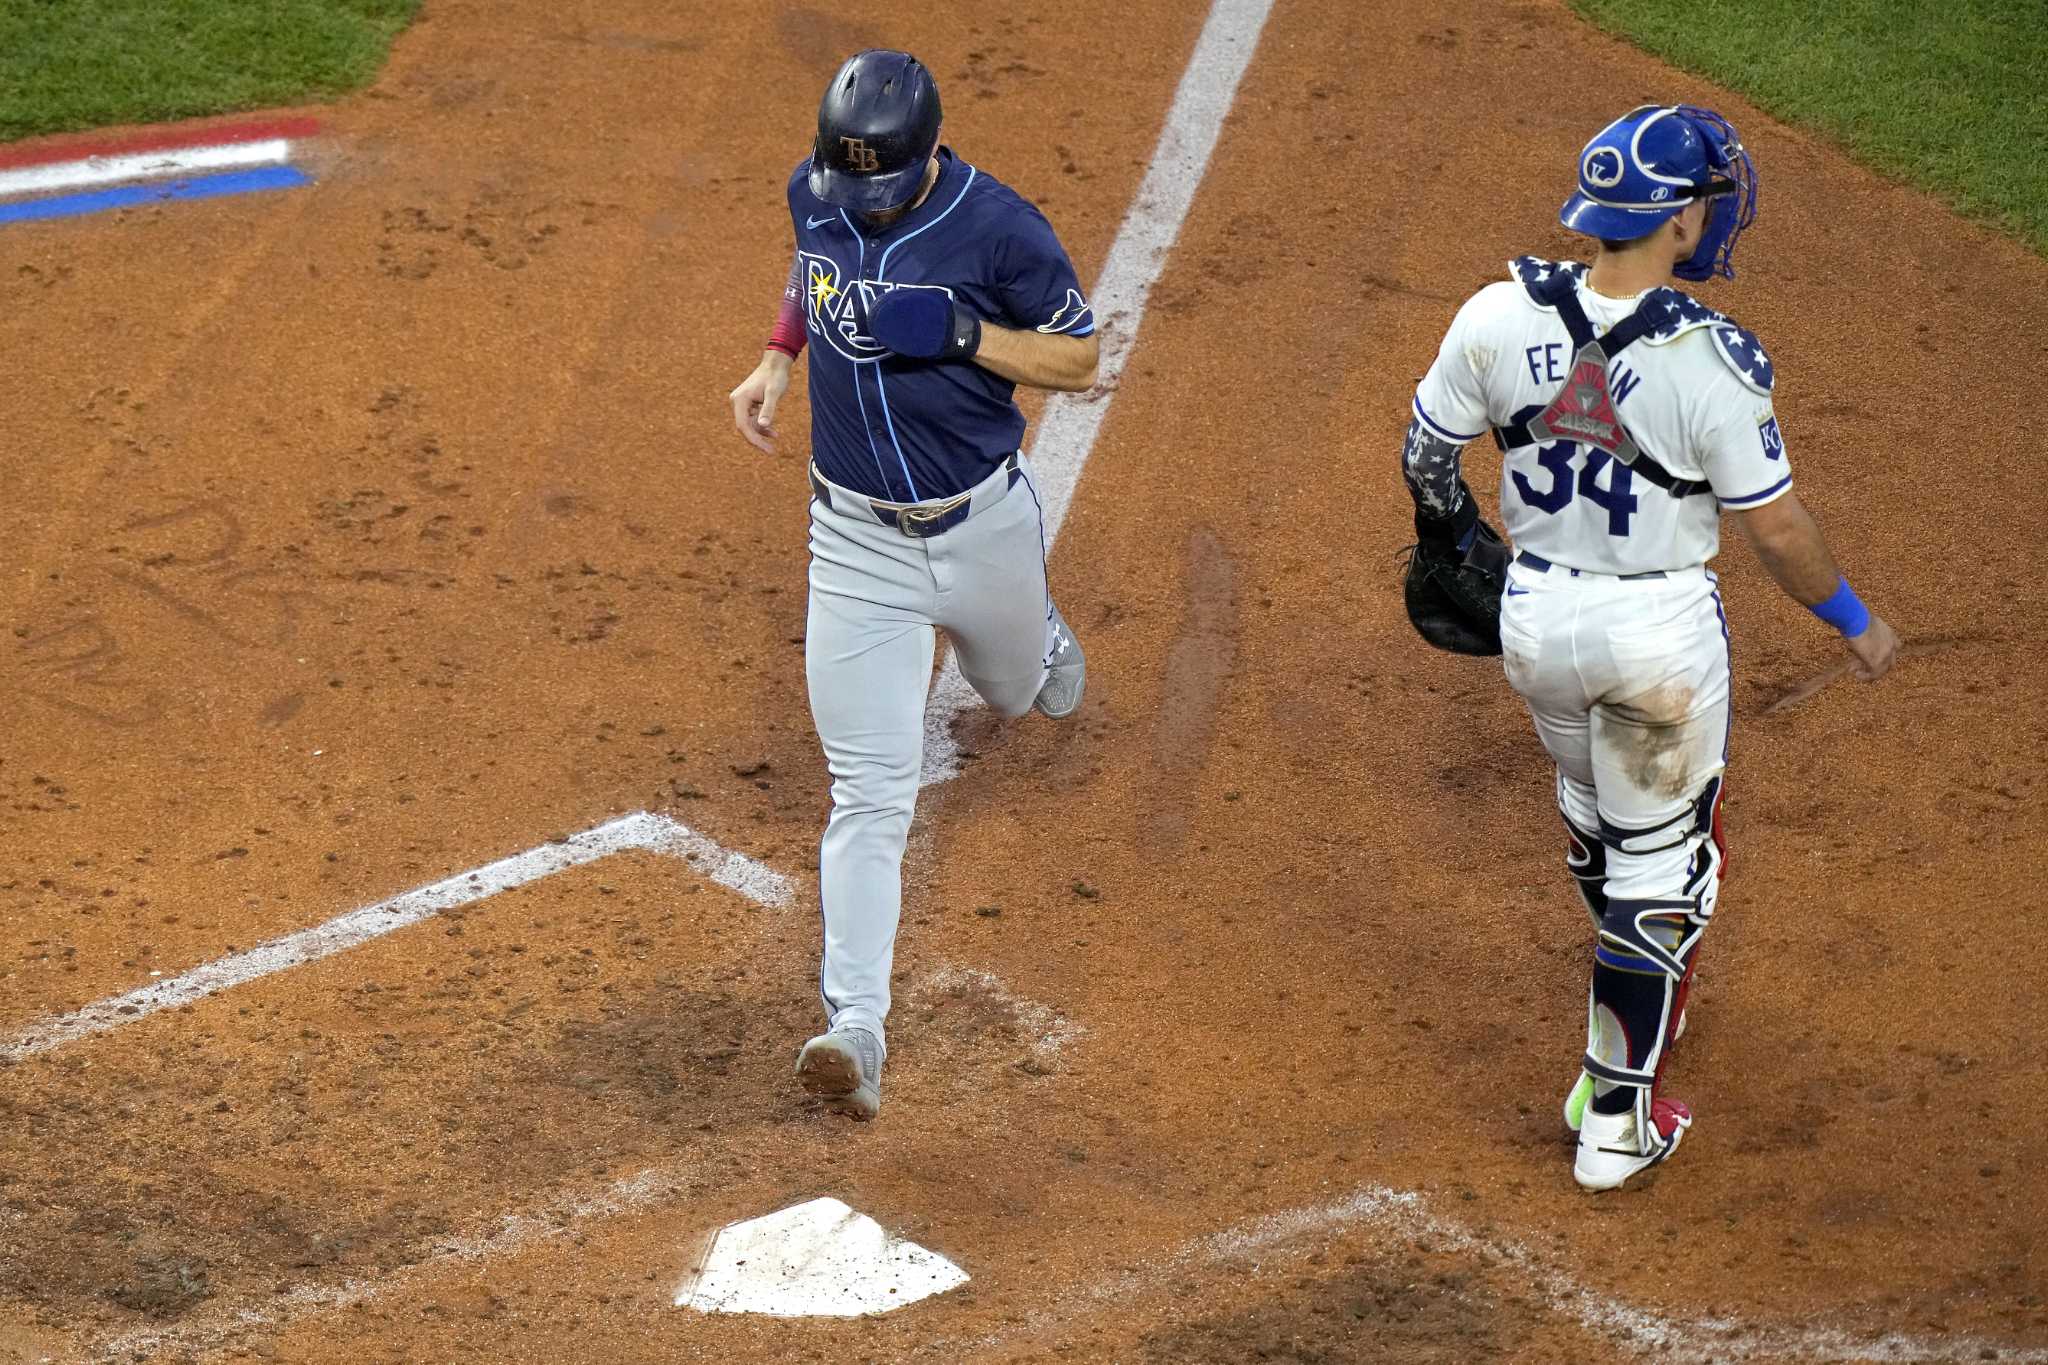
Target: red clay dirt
368,533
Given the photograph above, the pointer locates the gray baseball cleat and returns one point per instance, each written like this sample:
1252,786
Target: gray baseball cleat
844,1069
1066,673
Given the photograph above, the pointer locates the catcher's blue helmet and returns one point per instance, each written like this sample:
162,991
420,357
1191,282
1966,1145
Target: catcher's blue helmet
1651,162
877,127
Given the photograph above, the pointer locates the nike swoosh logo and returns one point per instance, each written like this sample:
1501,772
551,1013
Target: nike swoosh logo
815,223
1518,592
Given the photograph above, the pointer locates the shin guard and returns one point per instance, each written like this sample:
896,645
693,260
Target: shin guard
1643,959
1633,1003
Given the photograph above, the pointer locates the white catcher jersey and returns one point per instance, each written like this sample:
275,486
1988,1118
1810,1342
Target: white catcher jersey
1695,395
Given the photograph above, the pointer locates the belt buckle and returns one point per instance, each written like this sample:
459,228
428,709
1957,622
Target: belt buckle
920,521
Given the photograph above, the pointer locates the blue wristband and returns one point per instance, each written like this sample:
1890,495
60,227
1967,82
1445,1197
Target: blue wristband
1844,611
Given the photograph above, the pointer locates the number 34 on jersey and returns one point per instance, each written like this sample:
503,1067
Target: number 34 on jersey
1695,396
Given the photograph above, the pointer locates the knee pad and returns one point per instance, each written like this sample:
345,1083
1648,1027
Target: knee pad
1699,819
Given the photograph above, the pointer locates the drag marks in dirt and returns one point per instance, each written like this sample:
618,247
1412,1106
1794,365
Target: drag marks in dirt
819,39
1200,663
181,566
1072,421
1385,1303
640,830
496,228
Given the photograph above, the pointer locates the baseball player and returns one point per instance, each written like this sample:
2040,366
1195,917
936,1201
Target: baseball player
1629,416
928,290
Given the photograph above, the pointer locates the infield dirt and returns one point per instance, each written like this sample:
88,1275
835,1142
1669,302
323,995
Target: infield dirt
368,533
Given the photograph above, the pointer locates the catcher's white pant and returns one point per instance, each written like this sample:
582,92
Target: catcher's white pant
876,595
1627,681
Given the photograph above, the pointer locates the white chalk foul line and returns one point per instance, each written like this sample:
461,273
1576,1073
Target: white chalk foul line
1682,1340
1406,1215
640,830
1046,1031
1067,431
1400,1213
217,1323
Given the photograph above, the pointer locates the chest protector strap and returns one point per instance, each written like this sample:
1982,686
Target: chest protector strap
1583,410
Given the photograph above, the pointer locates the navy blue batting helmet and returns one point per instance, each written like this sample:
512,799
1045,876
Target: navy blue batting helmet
1651,162
877,127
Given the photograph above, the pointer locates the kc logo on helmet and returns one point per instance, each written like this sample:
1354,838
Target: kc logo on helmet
860,156
1602,168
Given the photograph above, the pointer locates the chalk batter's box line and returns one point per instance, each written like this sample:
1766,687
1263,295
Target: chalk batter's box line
642,831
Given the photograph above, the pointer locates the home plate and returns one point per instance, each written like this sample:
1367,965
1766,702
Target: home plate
815,1260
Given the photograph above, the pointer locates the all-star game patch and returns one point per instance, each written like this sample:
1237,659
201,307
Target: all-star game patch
1583,409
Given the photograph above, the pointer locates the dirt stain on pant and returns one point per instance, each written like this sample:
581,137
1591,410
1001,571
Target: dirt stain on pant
1656,735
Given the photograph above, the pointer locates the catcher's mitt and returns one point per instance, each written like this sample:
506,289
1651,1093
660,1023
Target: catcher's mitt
1454,595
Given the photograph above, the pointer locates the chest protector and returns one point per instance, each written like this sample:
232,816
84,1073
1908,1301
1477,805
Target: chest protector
1583,410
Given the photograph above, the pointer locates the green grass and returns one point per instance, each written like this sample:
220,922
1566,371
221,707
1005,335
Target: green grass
67,64
1946,94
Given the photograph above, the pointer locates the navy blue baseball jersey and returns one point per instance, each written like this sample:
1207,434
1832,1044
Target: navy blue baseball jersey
906,430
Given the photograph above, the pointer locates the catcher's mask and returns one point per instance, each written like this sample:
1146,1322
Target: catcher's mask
877,127
1650,163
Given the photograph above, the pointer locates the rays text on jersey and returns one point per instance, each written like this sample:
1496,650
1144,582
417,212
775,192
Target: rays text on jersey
838,307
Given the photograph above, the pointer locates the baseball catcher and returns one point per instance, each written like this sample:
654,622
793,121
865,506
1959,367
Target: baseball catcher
1628,416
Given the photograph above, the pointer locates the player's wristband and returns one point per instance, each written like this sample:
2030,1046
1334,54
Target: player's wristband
1844,610
788,334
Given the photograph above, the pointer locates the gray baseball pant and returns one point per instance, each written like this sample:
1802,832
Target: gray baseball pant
876,595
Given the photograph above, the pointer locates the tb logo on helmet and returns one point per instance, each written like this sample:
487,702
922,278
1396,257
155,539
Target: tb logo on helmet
860,156
877,126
